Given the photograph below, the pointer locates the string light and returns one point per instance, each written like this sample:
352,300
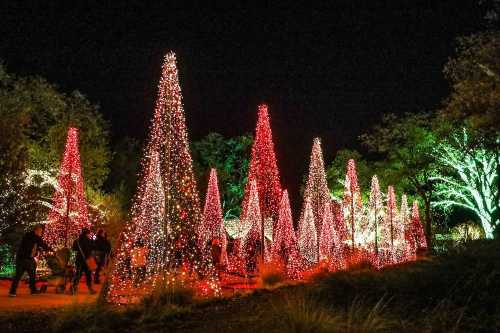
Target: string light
352,206
418,228
68,214
308,238
212,226
263,169
166,211
317,186
375,218
410,250
326,241
253,240
284,247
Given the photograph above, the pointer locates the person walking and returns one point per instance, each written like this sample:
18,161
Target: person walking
31,244
103,250
84,247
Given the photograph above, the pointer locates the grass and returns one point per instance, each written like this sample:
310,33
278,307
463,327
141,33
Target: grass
456,292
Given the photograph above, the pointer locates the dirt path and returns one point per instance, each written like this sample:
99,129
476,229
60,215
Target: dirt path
26,302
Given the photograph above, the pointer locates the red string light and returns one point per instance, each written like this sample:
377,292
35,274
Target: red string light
68,215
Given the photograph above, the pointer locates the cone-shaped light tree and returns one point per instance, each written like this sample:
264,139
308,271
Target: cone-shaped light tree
308,238
166,211
285,241
418,228
212,226
317,186
68,214
263,169
375,213
389,230
252,243
352,206
327,234
408,245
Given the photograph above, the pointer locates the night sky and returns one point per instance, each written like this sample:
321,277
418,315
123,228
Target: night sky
329,72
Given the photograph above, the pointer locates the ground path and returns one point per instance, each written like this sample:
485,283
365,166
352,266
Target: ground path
24,301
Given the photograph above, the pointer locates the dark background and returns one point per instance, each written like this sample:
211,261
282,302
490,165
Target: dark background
329,72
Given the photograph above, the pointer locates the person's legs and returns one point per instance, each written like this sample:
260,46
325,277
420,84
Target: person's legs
100,265
20,268
31,268
76,278
88,278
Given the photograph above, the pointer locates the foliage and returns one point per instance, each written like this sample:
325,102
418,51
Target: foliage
34,120
467,231
474,74
124,167
47,114
470,179
230,156
404,146
335,173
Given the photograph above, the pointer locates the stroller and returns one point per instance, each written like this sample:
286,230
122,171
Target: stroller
62,269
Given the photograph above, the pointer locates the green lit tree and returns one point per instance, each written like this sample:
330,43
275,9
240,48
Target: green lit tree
469,180
336,171
230,156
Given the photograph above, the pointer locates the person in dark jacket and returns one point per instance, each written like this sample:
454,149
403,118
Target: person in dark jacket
83,248
103,250
31,244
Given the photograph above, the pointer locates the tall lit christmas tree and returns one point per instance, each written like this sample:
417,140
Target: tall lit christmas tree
317,187
308,237
252,243
418,228
390,229
352,206
166,212
285,241
263,169
68,214
212,226
375,213
408,246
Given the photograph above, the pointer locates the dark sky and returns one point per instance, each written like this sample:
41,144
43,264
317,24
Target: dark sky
329,72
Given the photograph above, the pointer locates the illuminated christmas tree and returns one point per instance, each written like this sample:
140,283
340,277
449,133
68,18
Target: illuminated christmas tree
317,187
326,238
375,213
285,241
308,239
418,228
68,214
166,213
389,230
352,207
252,243
212,226
263,169
405,220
